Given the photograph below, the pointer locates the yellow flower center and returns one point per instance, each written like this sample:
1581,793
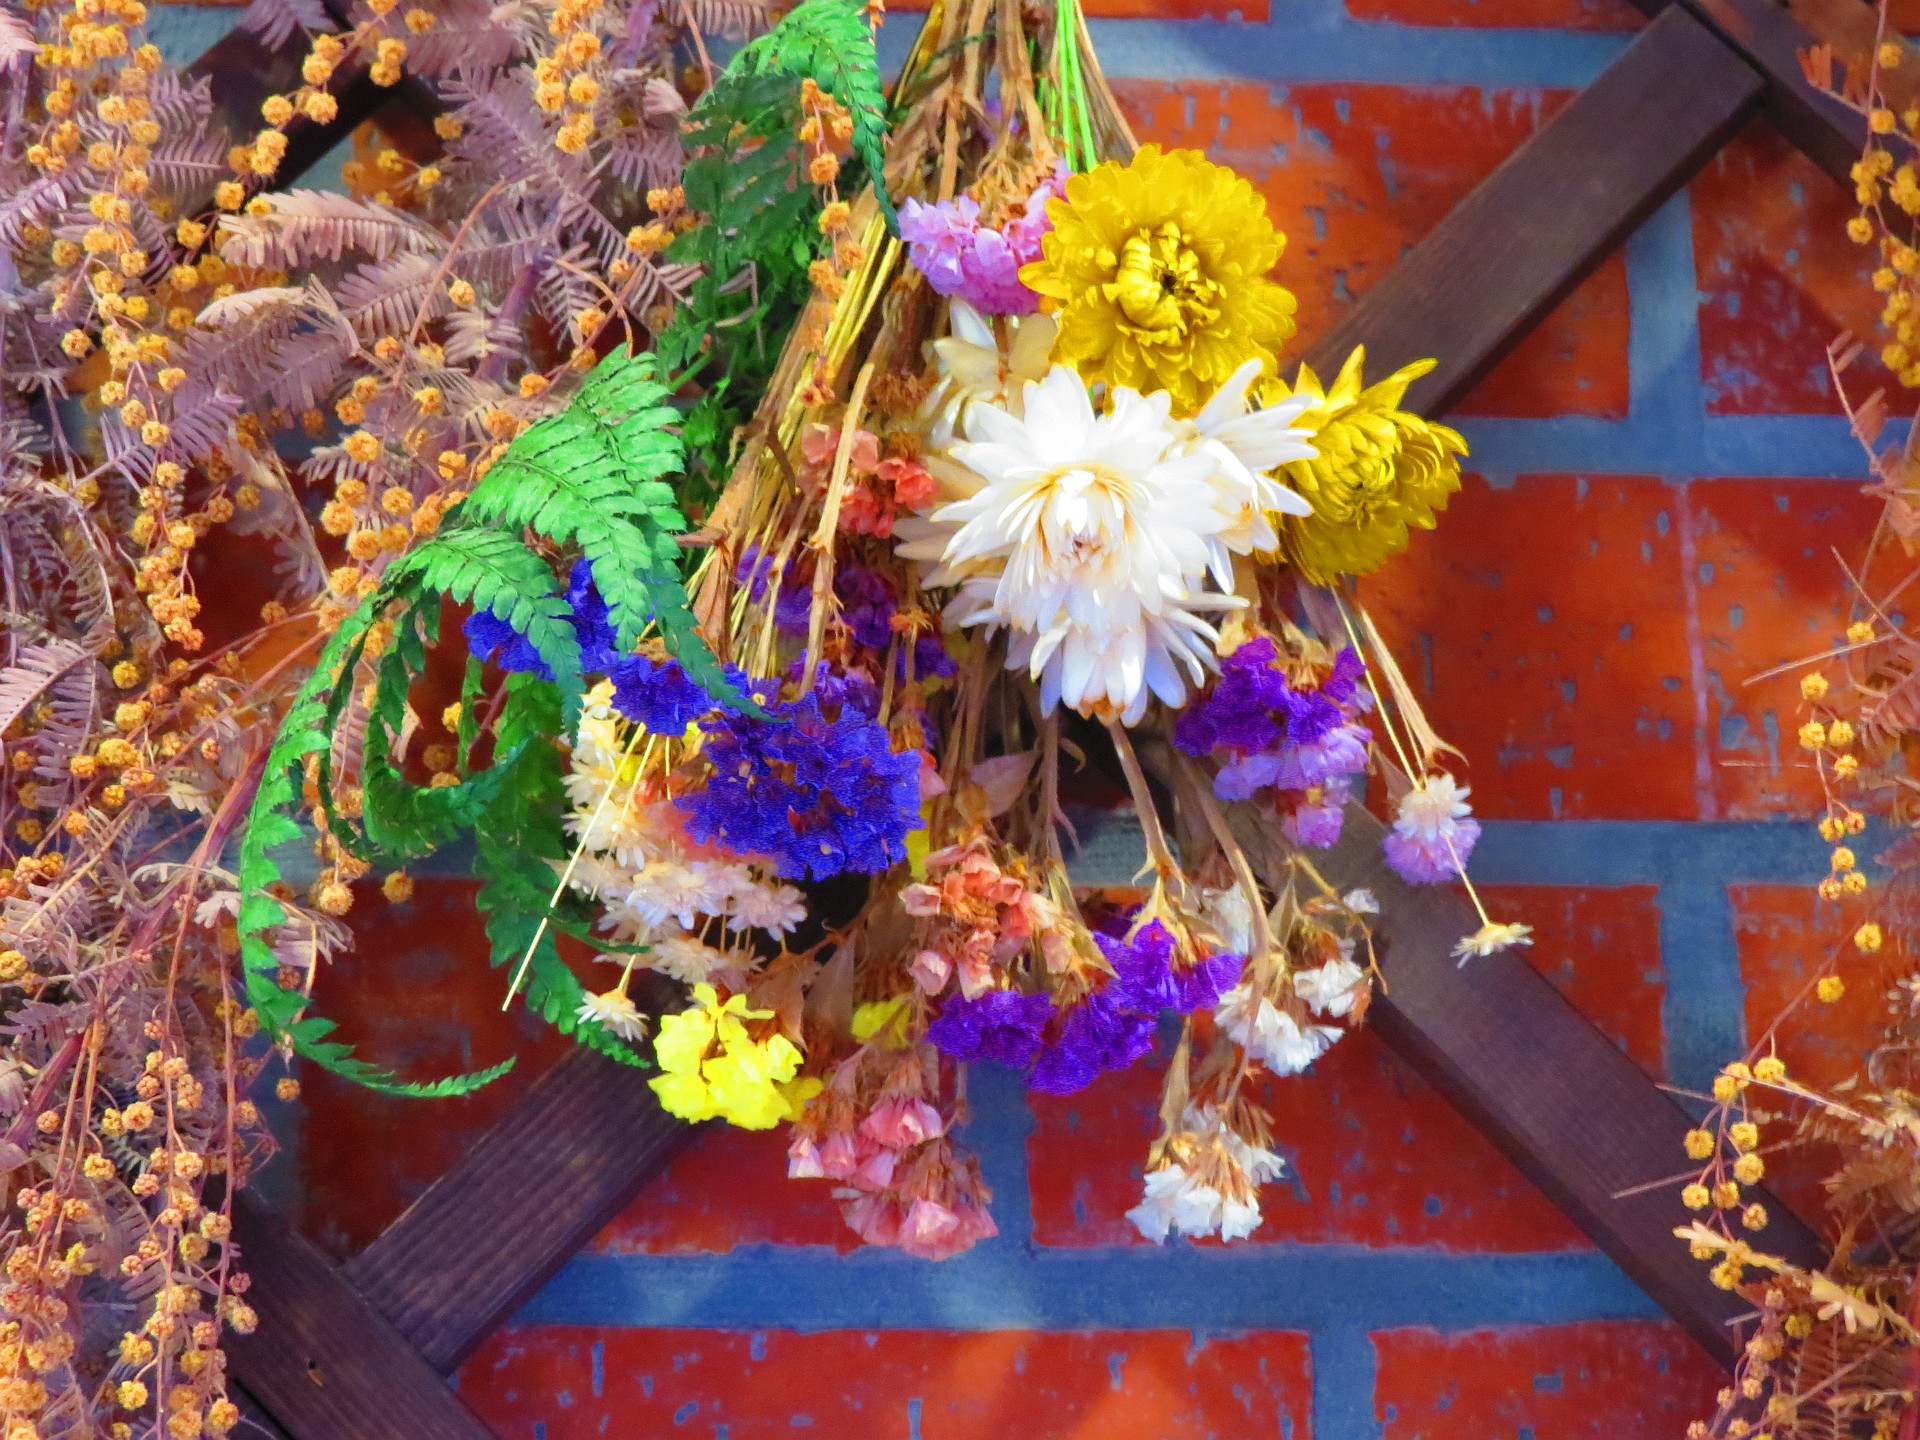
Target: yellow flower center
1160,287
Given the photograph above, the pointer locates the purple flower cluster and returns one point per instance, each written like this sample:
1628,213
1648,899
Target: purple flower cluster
868,603
974,262
818,795
1109,1030
1308,742
1001,1025
655,693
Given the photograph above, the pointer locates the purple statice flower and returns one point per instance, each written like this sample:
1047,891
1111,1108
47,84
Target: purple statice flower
1317,819
1433,832
818,795
657,694
1338,754
1201,987
791,604
1246,709
1113,1027
491,638
1106,1031
1001,1025
1304,743
973,262
599,646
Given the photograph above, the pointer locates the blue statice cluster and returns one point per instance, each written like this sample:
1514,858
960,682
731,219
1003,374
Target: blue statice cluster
868,603
1306,745
1109,1030
655,693
816,787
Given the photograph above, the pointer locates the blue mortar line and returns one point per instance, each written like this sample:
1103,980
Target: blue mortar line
1663,333
1703,1004
997,1133
1208,1291
1761,447
1299,44
1647,852
1345,1366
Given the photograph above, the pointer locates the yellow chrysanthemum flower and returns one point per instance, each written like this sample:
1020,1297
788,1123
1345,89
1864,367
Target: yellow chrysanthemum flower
1380,470
1158,272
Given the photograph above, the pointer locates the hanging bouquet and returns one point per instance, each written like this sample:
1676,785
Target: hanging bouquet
1027,491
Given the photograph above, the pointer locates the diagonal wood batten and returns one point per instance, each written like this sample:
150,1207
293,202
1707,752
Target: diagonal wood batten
1560,204
242,71
1553,1093
323,1362
569,1157
1572,1111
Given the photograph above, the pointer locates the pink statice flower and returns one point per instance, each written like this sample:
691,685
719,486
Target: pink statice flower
974,262
1433,831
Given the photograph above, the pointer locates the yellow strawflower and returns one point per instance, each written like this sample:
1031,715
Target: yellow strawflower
1158,272
749,1083
1380,470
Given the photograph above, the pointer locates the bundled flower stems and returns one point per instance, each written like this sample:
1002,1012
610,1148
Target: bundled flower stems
1028,483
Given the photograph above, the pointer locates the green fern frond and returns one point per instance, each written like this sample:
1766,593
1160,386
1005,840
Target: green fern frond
831,43
304,732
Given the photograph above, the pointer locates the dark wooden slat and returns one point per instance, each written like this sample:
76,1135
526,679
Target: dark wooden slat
244,71
323,1362
490,1231
1770,37
1567,1106
1509,252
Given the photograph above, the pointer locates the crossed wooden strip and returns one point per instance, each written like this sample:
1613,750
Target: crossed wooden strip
356,1352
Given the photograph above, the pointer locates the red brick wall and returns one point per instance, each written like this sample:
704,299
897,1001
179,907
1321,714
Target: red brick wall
1659,476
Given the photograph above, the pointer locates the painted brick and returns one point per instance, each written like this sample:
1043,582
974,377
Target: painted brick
1612,1380
1769,591
728,1187
414,993
565,1383
1528,14
1778,280
1543,625
1355,174
1377,1156
1784,934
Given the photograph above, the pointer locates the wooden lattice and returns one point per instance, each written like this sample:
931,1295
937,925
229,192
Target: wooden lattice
358,1351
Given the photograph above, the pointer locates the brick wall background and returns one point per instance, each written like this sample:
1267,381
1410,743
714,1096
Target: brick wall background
1659,479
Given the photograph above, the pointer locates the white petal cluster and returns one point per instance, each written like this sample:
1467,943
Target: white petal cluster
1333,988
1269,1034
1216,1193
656,886
1091,537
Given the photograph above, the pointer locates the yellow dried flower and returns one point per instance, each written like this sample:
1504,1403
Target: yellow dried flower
1380,471
1830,989
1868,939
1158,269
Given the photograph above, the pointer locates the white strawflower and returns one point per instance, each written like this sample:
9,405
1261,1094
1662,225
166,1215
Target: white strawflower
1244,446
1089,542
975,367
